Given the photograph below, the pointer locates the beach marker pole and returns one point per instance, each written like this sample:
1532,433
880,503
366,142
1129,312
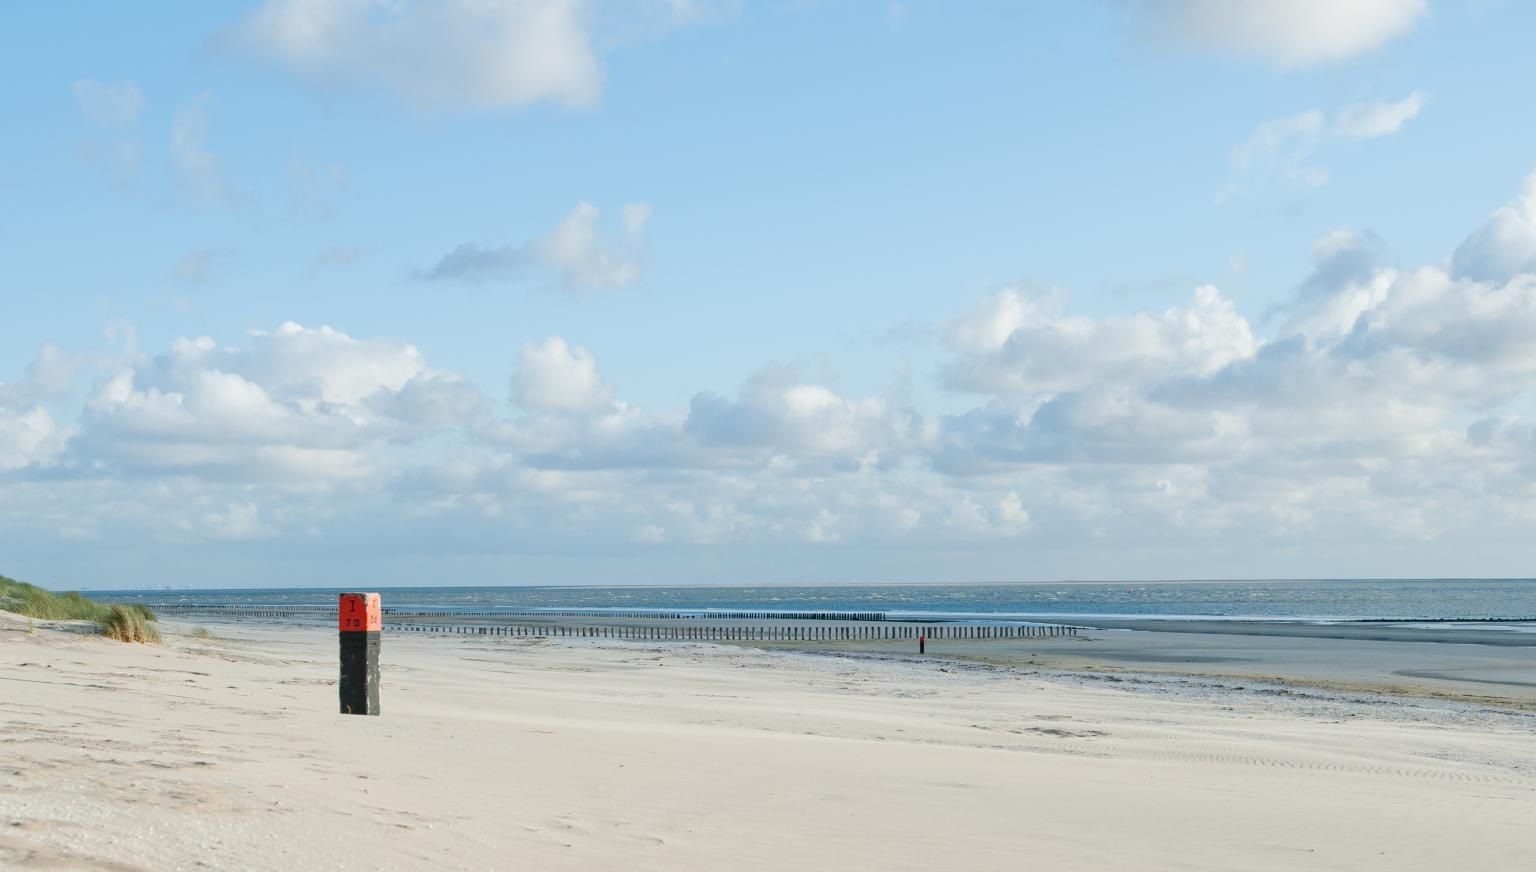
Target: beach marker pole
922,644
359,622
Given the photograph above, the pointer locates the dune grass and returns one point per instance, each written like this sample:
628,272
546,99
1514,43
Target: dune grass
128,623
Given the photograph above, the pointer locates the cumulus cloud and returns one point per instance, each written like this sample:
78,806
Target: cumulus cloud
576,249
1287,33
584,258
50,375
1505,246
237,521
1282,149
29,436
433,54
572,419
1383,402
553,376
1354,413
1349,276
779,412
295,402
1022,343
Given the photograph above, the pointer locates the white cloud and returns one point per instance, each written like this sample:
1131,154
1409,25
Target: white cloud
29,436
1020,343
1350,275
1280,142
1353,416
553,376
635,216
1011,513
1288,33
778,413
1386,403
583,257
822,528
573,420
967,517
1282,149
51,374
1505,246
237,521
434,54
1379,118
295,402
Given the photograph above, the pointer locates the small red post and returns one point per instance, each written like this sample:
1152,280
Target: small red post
359,622
922,644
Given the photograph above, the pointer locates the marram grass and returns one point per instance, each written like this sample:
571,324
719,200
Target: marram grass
130,623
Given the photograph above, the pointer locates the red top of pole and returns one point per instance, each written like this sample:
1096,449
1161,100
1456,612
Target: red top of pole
359,612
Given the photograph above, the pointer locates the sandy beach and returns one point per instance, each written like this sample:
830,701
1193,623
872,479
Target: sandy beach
506,753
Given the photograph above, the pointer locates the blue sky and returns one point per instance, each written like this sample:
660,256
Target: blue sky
791,291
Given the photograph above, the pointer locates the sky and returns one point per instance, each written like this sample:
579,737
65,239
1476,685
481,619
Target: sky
343,292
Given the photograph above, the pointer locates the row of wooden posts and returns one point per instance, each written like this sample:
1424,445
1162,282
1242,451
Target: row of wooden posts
292,611
751,633
670,616
228,612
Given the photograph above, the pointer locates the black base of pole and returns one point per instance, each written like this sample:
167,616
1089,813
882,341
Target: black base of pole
359,673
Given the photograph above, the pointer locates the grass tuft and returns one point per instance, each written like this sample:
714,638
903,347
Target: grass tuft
201,633
127,624
130,623
144,611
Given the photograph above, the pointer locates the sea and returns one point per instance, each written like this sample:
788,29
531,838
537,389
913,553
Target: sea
1309,600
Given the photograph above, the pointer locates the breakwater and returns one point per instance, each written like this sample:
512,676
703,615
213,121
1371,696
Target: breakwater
655,625
752,632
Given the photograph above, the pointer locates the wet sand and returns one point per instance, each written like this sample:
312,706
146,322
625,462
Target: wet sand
1488,663
1493,665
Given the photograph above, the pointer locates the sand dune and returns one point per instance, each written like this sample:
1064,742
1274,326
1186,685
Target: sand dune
228,753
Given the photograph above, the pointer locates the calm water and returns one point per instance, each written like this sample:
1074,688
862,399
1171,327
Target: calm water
1452,598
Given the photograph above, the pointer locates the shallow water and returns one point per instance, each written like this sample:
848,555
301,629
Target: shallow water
1321,600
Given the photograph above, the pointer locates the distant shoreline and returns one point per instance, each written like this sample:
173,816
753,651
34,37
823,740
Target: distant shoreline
805,584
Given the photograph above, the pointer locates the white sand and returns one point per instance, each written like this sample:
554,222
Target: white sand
524,755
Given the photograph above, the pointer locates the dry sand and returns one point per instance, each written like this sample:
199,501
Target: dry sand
514,754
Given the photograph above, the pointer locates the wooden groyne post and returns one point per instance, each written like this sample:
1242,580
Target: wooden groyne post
359,622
